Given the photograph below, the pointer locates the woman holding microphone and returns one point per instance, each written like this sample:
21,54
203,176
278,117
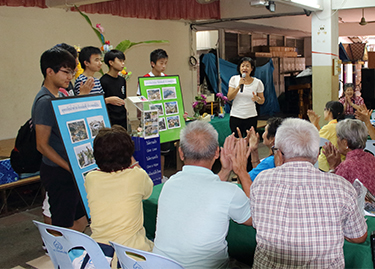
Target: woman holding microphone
245,91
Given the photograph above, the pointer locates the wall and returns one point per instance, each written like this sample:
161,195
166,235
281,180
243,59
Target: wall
27,32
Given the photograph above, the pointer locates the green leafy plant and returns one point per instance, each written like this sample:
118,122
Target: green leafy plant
123,45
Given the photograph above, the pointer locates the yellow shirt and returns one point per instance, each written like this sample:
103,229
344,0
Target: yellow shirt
116,209
328,131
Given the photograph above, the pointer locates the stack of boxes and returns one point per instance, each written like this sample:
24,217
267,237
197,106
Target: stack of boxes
283,52
273,52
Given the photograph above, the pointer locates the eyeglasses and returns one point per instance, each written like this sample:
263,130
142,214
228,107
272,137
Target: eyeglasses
68,72
275,149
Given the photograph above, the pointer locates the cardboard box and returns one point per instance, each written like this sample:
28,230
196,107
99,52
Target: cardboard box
263,54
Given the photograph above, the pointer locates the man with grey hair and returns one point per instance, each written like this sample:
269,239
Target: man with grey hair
301,214
195,205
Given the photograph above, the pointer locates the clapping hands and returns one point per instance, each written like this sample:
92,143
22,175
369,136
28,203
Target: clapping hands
240,156
332,154
313,117
253,139
85,88
226,152
362,113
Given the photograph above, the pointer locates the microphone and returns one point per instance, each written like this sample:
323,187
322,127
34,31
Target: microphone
241,87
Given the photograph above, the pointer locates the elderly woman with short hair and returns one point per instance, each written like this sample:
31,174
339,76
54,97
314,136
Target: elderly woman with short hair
351,140
350,100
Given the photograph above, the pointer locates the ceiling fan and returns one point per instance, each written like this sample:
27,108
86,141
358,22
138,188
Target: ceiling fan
363,20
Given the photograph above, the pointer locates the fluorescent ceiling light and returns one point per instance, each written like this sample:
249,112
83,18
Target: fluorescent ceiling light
309,3
258,3
312,5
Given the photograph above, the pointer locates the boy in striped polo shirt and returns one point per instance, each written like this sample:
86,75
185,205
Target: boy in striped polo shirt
91,62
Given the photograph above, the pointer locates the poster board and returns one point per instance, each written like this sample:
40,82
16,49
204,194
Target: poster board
79,120
165,95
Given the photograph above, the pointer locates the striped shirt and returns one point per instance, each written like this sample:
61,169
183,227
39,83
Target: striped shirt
97,86
301,216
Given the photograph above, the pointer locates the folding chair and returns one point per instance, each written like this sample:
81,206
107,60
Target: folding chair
151,260
58,246
370,146
322,142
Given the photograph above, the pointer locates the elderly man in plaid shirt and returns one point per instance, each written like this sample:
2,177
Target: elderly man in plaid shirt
301,214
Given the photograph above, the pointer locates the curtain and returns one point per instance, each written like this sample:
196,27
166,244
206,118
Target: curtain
144,9
23,3
227,70
156,9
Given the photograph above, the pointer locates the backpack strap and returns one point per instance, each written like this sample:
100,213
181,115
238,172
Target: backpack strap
41,97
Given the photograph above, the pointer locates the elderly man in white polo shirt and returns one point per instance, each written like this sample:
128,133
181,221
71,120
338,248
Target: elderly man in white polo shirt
195,205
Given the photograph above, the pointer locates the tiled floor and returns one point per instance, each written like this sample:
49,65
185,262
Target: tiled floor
21,245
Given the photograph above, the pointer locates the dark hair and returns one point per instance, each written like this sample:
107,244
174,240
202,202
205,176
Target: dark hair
337,109
273,124
113,149
112,55
69,48
56,58
346,86
157,55
246,59
86,53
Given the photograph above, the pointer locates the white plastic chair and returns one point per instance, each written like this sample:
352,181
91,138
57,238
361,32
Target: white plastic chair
322,142
151,261
370,146
59,246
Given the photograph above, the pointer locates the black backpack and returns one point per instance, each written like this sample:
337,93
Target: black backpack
25,158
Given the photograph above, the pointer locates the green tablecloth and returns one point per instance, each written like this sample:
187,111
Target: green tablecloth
222,128
241,238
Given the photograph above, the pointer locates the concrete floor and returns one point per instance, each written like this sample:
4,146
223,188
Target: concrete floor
21,245
20,240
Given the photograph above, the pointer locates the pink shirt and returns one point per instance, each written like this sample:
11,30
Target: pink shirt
361,165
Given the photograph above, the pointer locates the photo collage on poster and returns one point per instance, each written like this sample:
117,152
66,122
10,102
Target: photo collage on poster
151,123
81,132
165,102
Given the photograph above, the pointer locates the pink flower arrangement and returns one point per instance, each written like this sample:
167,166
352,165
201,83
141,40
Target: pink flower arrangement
200,102
221,98
100,28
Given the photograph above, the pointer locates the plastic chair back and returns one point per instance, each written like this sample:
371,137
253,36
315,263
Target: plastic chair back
151,260
59,246
370,146
322,142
